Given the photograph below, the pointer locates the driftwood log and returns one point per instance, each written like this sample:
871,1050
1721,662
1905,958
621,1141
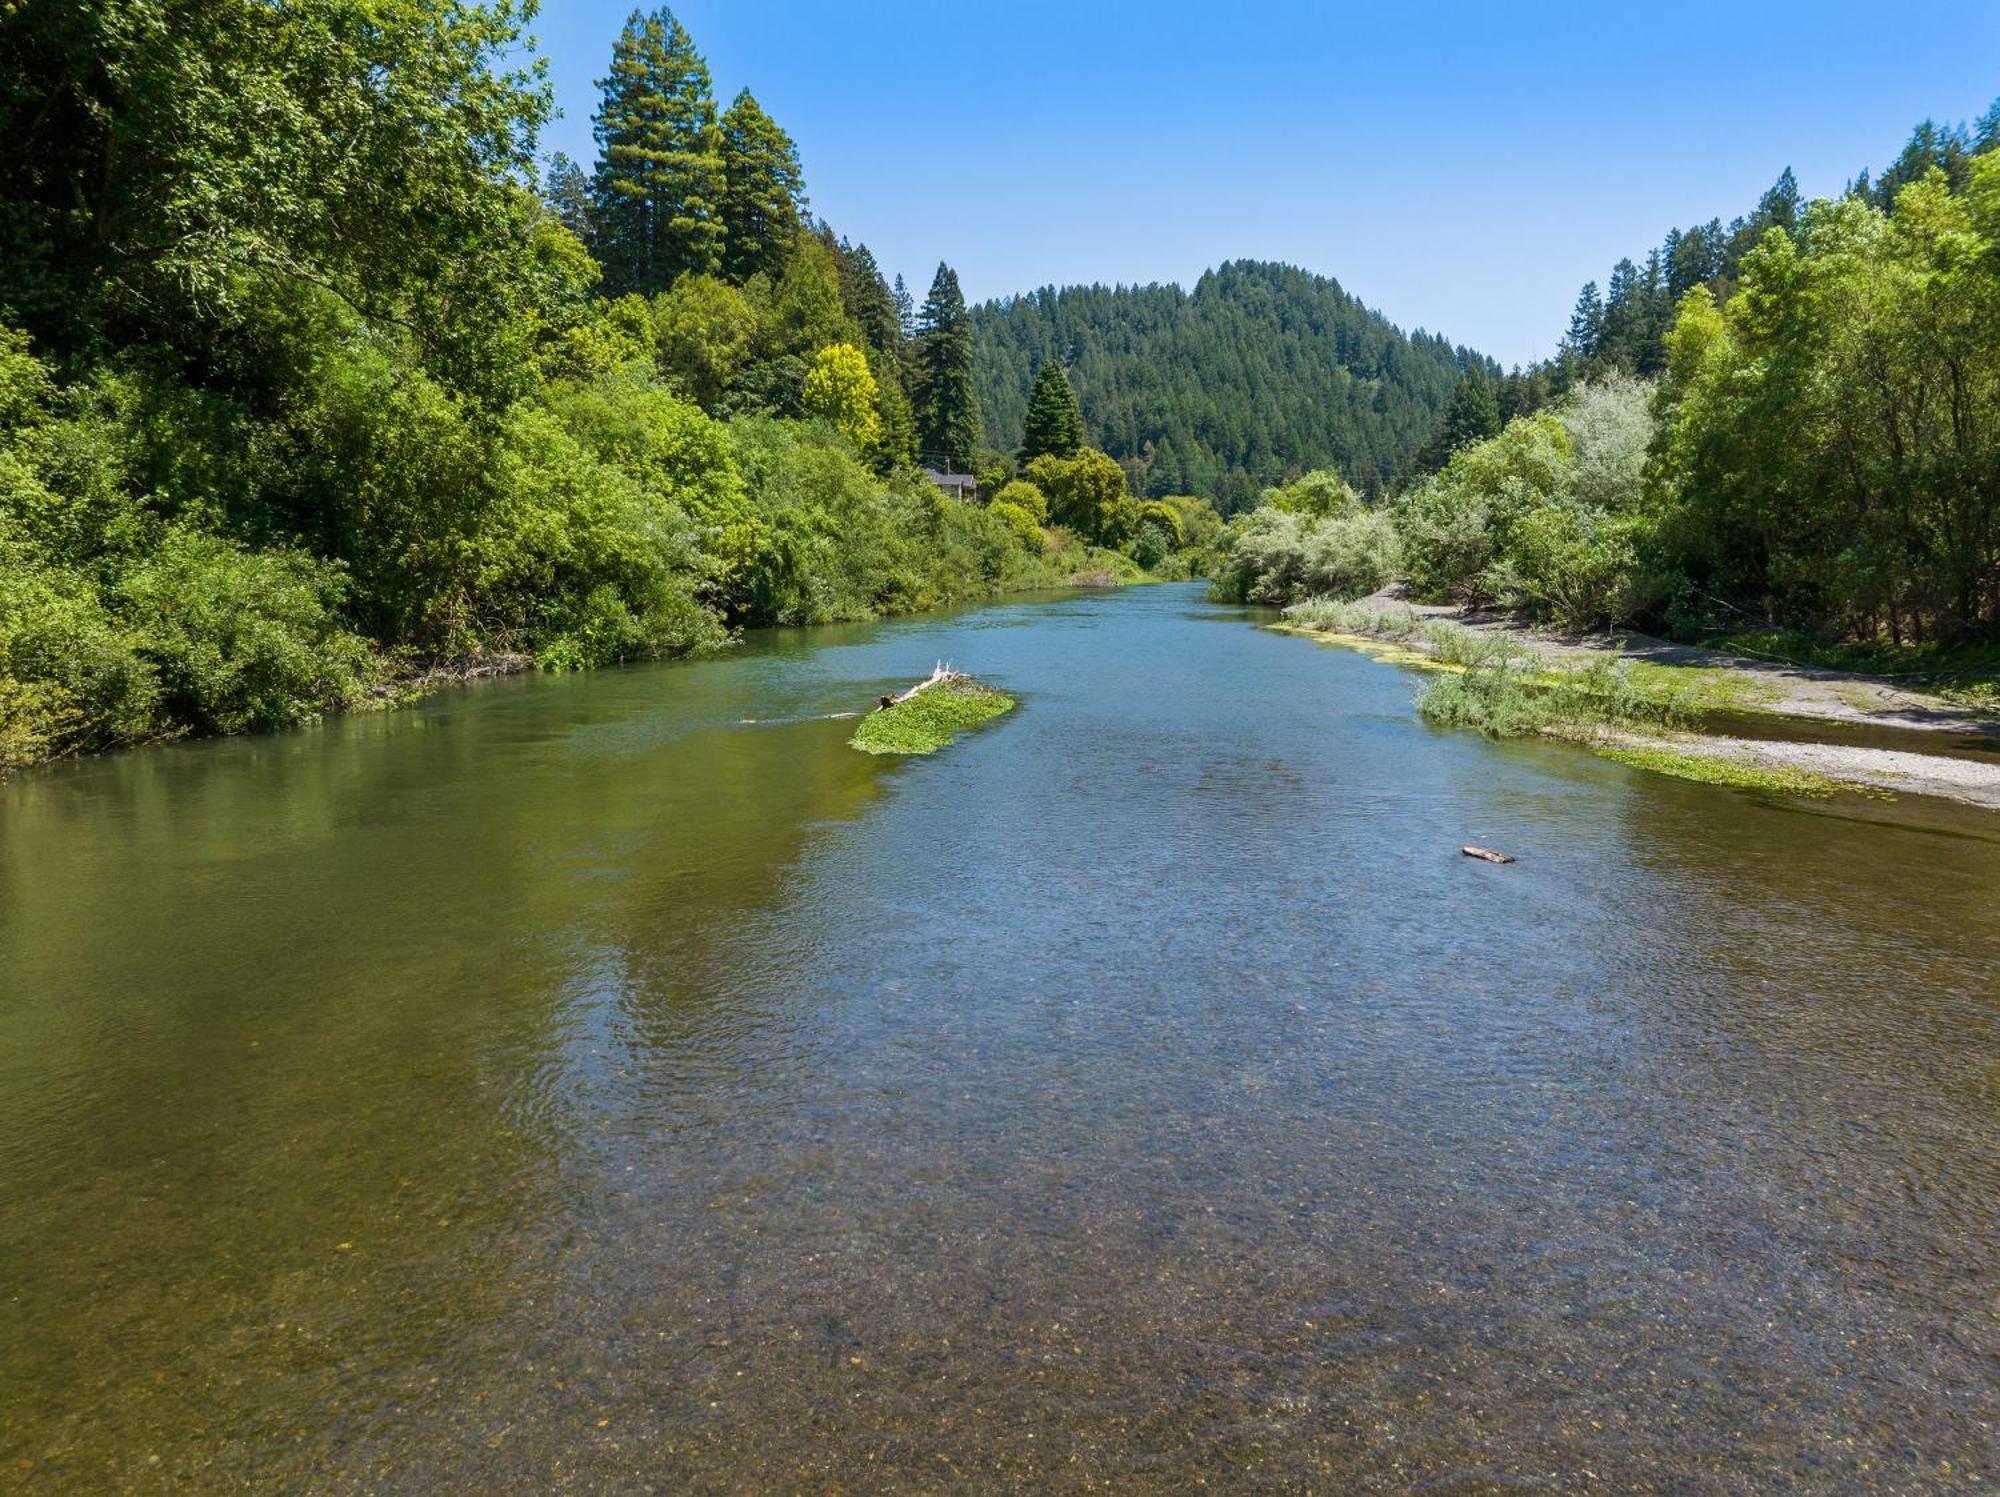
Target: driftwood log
941,673
1486,854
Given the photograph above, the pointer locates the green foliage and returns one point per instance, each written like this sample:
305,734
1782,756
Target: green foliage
167,167
932,718
1473,416
1020,522
1321,495
947,405
1086,493
1054,423
703,331
1522,697
1024,496
1706,769
242,639
1831,436
1278,556
1255,374
840,390
660,188
763,191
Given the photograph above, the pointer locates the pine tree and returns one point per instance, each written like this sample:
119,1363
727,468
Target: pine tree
567,192
657,194
906,308
1055,420
946,405
1472,416
1586,325
763,194
868,298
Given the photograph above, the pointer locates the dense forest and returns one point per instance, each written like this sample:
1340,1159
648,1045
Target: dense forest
1259,373
1784,434
316,381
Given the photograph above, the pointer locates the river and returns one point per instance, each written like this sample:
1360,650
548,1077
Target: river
615,1083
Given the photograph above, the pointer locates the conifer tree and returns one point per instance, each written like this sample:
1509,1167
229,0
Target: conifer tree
906,308
1055,420
946,405
1472,416
567,192
763,193
1586,324
657,195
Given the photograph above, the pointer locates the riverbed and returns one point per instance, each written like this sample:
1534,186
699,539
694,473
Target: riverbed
616,1083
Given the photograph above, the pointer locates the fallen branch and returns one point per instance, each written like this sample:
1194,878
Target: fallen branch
1486,854
941,673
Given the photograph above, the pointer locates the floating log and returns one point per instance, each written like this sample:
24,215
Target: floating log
1486,854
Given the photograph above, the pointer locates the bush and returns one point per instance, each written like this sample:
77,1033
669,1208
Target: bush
1024,495
1572,566
1020,524
1275,556
244,639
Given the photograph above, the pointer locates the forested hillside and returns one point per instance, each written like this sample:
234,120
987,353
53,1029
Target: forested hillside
1260,372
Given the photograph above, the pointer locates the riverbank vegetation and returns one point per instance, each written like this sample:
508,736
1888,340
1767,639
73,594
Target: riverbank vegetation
1785,436
316,381
926,720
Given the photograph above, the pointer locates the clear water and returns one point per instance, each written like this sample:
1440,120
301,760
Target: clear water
567,1085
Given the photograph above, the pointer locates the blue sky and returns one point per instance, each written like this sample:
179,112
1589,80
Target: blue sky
1463,167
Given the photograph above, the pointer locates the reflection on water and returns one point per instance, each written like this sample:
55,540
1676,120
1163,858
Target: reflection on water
569,1085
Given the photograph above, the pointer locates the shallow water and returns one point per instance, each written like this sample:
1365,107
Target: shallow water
569,1085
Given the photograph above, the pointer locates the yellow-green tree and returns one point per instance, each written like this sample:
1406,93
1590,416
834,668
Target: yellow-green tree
840,390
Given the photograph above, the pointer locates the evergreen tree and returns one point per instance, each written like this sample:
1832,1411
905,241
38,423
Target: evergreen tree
659,185
1625,318
763,192
906,308
1586,325
868,298
1055,420
947,406
567,192
1472,416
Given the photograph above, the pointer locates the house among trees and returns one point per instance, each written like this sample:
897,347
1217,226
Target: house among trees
955,485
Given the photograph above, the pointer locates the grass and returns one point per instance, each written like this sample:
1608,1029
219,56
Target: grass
1704,770
1968,674
930,719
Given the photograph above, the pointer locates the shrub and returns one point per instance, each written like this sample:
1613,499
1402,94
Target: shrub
1020,524
244,639
1276,556
1024,495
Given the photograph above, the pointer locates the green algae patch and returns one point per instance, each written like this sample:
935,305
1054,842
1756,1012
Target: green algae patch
927,721
1706,770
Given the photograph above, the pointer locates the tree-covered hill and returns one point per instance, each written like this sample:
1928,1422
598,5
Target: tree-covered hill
1259,373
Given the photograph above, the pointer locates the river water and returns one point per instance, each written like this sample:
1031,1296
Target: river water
572,1085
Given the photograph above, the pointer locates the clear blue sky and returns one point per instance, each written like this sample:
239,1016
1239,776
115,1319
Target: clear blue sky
1463,167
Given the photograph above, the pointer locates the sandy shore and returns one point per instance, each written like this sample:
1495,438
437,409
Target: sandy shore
1965,765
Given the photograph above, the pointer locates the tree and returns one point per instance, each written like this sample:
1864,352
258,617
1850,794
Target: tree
868,298
703,331
660,184
1472,416
1086,492
947,406
763,192
906,309
567,192
840,390
146,177
1055,420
